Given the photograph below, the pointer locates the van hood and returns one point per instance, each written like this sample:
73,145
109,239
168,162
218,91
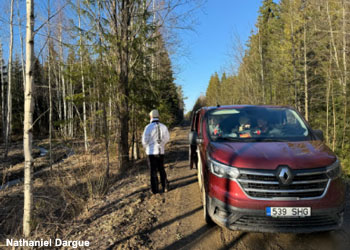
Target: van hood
269,155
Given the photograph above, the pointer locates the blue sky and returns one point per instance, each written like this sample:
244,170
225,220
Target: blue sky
205,51
211,43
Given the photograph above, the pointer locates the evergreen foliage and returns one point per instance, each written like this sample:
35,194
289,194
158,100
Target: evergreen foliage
213,91
297,56
126,67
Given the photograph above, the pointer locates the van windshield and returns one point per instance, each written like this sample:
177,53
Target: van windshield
257,124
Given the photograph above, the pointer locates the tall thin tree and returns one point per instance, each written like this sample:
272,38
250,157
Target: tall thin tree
62,76
28,120
306,81
82,77
49,48
21,39
3,102
9,86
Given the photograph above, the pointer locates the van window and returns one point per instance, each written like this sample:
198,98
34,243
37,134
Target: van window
199,123
257,124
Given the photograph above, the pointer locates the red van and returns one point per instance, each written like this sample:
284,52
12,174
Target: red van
263,169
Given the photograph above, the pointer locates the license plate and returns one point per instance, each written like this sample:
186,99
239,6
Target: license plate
288,211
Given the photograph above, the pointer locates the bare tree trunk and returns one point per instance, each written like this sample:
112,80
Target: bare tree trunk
70,109
345,77
306,83
123,85
28,120
9,87
106,135
327,97
334,120
135,148
102,87
50,87
153,54
3,103
63,83
21,39
132,121
137,153
92,112
58,95
82,80
110,106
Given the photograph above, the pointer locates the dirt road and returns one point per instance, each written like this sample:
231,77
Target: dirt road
133,218
182,225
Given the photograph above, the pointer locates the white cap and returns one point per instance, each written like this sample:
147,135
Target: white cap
154,113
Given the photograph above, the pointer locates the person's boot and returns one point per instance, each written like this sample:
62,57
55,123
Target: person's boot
167,187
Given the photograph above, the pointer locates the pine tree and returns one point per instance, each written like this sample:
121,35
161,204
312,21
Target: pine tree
213,91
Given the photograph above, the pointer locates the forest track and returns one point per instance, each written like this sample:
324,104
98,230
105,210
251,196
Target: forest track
133,218
183,207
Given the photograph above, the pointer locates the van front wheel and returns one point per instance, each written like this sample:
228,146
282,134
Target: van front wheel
206,206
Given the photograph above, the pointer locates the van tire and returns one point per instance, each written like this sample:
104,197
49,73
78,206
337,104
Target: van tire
205,202
199,173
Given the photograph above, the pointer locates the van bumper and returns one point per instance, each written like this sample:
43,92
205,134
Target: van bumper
254,220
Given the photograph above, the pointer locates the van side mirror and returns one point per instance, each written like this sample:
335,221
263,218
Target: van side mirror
319,134
192,138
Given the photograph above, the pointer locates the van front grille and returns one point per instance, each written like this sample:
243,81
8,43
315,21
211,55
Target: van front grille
265,184
294,223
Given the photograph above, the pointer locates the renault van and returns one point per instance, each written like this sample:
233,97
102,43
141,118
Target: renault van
263,169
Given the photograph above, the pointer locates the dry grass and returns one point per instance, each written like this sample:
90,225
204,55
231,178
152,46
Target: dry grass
61,195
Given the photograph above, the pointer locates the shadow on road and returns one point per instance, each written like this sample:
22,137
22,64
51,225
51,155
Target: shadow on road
112,206
182,178
182,184
149,231
235,242
192,239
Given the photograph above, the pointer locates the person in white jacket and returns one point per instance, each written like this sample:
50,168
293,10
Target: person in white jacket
154,138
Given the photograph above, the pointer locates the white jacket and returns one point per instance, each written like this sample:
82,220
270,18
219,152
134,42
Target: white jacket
150,137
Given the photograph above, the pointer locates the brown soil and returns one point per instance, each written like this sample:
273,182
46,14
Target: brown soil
128,216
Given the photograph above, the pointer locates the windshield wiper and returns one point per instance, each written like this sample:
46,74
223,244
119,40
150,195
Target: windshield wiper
238,139
228,138
250,139
271,140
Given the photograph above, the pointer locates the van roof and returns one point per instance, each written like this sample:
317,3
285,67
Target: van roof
244,106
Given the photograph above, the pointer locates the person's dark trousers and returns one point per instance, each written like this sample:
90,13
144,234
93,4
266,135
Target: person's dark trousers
156,164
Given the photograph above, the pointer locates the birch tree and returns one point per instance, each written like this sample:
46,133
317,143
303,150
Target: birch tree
306,81
3,103
21,40
82,78
49,48
9,86
62,76
28,120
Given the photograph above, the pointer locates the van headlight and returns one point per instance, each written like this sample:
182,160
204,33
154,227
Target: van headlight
222,170
334,170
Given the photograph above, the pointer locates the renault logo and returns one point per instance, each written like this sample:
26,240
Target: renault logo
285,175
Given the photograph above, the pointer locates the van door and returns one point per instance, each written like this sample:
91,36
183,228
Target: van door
193,159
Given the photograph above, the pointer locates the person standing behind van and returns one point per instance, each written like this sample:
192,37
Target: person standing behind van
154,138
